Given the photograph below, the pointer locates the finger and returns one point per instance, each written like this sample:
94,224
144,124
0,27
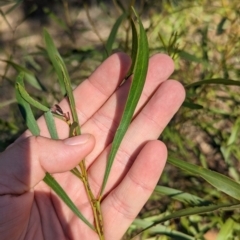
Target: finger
147,125
25,163
104,122
92,93
123,204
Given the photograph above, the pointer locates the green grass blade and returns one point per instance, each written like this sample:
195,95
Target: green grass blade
29,99
51,124
217,180
53,184
220,26
139,76
214,81
196,210
52,53
56,19
6,2
160,229
234,132
16,5
226,230
120,5
113,33
190,57
191,211
25,108
7,102
193,106
181,196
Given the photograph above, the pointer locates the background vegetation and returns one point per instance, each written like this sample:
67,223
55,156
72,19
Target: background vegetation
202,36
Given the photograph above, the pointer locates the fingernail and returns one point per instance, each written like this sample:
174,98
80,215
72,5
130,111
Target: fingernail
81,139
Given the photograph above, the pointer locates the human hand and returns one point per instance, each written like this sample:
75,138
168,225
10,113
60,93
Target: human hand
28,207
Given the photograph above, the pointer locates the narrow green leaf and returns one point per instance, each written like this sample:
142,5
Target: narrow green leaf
6,2
7,102
51,124
69,91
28,75
192,105
162,41
189,57
214,81
55,18
52,53
51,181
191,211
139,76
16,5
120,5
160,229
113,33
135,48
181,196
234,132
226,230
217,180
25,108
29,99
220,26
53,184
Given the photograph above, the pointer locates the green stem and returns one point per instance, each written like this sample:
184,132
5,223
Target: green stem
95,203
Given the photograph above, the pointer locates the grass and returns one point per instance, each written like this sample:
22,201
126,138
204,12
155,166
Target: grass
203,39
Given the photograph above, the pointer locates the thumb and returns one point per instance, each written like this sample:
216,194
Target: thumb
25,163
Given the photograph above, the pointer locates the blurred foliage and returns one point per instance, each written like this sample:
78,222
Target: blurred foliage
203,37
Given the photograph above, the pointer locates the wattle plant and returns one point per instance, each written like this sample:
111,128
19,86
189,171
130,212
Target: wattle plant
137,73
192,203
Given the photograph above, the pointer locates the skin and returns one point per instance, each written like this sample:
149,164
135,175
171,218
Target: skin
28,207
